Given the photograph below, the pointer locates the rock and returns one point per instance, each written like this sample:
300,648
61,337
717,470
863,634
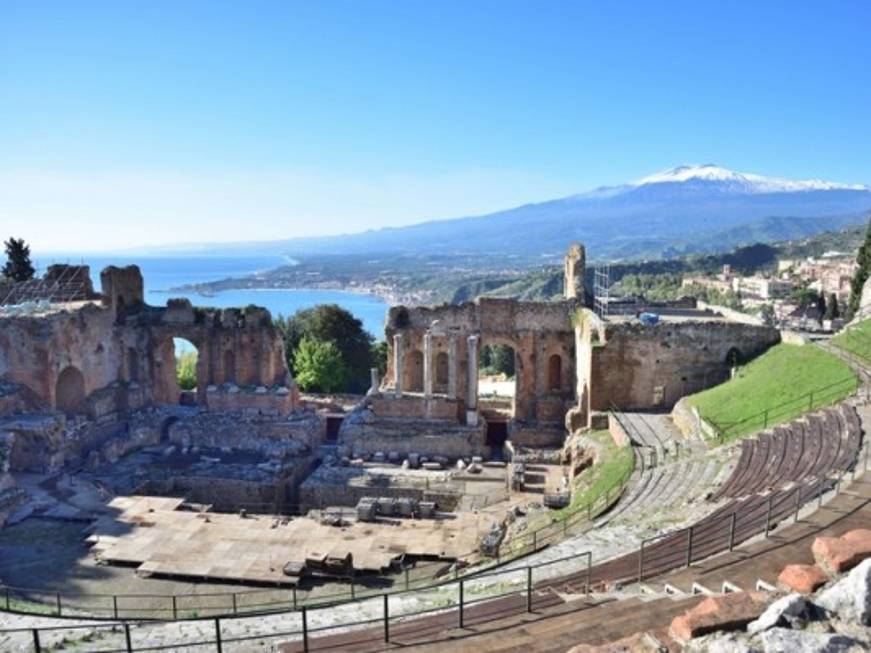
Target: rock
725,612
850,597
788,610
804,579
839,554
778,640
720,643
461,465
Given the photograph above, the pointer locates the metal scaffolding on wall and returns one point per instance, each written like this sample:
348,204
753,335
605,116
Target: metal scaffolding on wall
602,289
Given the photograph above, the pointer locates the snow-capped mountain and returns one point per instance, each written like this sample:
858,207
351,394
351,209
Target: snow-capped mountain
741,181
691,208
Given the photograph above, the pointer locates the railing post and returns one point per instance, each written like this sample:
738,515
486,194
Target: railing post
36,645
57,597
114,606
797,504
810,403
406,578
589,571
218,643
8,602
461,604
235,610
352,588
295,603
768,516
386,618
174,608
689,546
529,589
128,641
304,630
732,519
641,562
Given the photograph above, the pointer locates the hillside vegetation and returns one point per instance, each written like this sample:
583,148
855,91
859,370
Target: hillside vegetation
783,383
856,339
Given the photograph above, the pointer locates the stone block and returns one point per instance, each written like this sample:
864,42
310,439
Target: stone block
804,579
789,610
839,554
727,612
778,640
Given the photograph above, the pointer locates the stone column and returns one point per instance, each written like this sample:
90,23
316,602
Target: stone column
452,366
472,398
427,365
397,364
374,381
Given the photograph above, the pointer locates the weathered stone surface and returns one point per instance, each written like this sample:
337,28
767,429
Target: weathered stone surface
804,579
839,554
726,612
850,597
788,610
721,643
637,643
781,640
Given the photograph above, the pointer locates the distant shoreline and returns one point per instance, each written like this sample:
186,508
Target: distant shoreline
387,297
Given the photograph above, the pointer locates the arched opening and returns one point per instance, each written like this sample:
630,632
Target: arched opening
733,357
414,371
132,364
70,391
165,427
186,370
441,372
554,372
497,389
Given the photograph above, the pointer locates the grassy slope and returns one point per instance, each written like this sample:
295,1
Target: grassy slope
780,382
856,340
615,463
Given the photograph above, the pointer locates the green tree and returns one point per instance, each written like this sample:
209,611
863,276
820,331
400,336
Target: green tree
319,366
497,359
331,323
378,357
766,314
18,265
186,370
833,311
863,259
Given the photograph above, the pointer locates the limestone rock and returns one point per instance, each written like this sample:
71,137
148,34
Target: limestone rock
804,579
784,611
839,554
779,640
850,597
726,612
721,643
637,643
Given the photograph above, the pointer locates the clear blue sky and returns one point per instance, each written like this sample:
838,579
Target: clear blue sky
153,122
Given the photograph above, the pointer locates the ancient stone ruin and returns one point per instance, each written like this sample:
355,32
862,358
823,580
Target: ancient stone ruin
91,408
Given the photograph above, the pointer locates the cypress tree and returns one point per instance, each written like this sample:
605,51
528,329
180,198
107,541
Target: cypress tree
863,259
18,266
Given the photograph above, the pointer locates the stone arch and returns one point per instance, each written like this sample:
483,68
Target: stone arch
414,371
441,372
165,426
554,372
733,357
69,393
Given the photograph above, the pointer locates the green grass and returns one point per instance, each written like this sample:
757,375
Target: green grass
613,466
783,383
856,340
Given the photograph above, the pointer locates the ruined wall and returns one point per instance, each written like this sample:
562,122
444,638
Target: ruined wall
635,366
538,332
97,359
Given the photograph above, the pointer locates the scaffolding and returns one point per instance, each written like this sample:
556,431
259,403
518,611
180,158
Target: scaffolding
602,289
62,283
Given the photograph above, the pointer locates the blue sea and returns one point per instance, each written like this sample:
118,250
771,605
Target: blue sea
162,273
